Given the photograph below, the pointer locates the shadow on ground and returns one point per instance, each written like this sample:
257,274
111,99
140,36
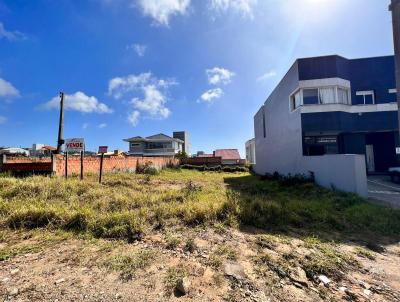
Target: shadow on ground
304,209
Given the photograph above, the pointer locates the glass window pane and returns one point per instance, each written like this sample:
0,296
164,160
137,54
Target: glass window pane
327,95
369,99
297,100
310,96
343,96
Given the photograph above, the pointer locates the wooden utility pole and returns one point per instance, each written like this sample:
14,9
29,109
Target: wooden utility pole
60,140
395,9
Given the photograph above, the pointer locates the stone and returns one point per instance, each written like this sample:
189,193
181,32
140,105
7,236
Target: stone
118,296
234,270
13,292
367,292
298,275
59,281
324,279
4,280
342,289
183,286
14,271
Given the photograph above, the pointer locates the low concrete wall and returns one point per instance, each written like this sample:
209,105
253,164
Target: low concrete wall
345,172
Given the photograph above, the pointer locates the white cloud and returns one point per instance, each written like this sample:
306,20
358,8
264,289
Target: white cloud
119,86
79,101
7,90
133,117
162,10
245,7
219,75
266,76
153,102
211,94
102,126
152,96
3,120
140,49
85,125
11,35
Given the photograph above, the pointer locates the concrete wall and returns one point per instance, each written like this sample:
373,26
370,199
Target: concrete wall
345,172
281,149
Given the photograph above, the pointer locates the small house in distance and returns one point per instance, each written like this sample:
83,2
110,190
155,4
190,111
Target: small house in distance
229,156
156,145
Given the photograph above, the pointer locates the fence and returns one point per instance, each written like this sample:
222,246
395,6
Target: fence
91,164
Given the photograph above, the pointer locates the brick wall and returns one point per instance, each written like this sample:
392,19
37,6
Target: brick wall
91,164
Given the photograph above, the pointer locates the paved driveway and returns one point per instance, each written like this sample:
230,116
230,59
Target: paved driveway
381,188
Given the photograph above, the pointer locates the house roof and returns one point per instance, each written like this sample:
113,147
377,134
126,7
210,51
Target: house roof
50,148
153,138
227,154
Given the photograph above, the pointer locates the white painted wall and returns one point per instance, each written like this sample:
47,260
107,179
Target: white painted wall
345,172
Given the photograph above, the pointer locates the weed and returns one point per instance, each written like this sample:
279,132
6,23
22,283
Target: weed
129,264
363,252
9,252
190,245
227,251
173,275
172,241
214,261
267,241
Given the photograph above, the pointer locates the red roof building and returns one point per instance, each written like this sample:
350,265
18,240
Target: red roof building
229,156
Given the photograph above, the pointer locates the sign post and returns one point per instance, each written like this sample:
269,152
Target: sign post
102,150
82,153
66,165
74,145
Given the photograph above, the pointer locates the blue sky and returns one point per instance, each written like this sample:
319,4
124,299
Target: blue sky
141,67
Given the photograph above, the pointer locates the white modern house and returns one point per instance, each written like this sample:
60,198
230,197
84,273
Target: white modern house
333,117
155,145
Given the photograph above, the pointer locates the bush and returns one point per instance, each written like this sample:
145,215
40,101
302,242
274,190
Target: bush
123,225
33,218
146,168
228,169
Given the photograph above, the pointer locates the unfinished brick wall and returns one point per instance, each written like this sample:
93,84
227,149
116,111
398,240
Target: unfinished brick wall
91,164
111,164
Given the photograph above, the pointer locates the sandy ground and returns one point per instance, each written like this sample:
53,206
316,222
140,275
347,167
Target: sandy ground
71,269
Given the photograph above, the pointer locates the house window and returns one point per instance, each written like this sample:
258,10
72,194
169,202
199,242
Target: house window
343,96
133,145
310,96
394,90
327,95
365,97
320,95
295,100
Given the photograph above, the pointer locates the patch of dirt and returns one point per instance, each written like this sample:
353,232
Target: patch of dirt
81,270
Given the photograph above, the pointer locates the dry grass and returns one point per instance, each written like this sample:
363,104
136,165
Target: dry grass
126,206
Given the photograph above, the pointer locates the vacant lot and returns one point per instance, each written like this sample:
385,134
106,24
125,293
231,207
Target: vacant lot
232,236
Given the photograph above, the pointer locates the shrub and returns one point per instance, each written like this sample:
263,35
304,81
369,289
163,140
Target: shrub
33,218
146,168
129,264
123,225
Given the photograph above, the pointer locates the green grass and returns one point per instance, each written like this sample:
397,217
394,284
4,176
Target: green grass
129,264
126,206
10,252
